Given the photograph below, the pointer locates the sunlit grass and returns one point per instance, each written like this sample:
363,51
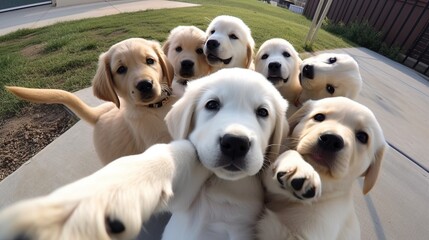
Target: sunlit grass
65,55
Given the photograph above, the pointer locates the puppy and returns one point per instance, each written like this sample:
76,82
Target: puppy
343,141
279,62
208,180
229,43
329,75
134,76
184,50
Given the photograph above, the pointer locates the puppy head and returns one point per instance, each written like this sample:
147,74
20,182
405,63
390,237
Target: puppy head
329,75
135,70
279,62
184,50
229,43
341,139
232,128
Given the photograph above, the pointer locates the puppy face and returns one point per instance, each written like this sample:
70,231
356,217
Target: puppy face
135,70
229,43
184,50
232,128
340,138
329,75
278,61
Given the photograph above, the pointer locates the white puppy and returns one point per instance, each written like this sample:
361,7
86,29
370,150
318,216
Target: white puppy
279,62
184,50
208,182
343,141
329,75
229,43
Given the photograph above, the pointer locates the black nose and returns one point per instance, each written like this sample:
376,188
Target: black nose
187,64
212,44
308,71
234,146
331,142
274,66
144,86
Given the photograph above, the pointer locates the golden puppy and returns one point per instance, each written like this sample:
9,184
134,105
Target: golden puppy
135,77
229,43
184,50
342,140
279,62
329,75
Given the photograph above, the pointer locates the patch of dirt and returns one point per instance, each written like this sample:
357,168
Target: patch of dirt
33,50
28,132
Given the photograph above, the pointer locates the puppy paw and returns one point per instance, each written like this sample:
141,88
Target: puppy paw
110,204
297,177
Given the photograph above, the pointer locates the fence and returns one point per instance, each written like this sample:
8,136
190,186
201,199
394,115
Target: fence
403,24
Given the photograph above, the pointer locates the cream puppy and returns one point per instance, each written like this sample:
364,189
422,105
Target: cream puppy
342,140
279,62
329,75
184,50
229,43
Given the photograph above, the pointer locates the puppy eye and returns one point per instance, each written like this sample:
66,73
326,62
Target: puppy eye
330,89
213,31
150,61
362,137
319,117
179,49
233,36
199,51
121,70
332,60
213,105
286,54
262,112
265,56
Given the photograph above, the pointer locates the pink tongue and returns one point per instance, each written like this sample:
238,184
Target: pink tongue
317,157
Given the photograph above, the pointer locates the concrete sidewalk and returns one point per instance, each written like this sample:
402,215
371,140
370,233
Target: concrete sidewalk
46,15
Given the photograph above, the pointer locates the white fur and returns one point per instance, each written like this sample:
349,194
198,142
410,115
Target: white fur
240,50
343,75
280,51
207,201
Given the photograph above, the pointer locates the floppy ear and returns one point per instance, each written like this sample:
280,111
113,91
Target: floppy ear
371,173
249,58
166,47
298,115
167,68
180,118
102,83
281,130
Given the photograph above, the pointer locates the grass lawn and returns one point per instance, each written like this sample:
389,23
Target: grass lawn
65,55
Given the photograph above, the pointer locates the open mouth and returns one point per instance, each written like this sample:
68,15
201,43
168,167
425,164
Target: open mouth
214,58
277,79
232,168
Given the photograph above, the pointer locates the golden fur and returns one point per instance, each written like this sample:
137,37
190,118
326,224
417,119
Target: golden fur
184,50
342,140
126,124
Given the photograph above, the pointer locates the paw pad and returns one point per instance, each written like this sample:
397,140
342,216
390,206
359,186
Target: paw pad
115,226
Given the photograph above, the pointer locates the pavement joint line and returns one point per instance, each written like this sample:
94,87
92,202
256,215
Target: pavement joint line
408,157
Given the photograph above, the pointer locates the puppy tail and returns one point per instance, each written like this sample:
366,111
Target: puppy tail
50,96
